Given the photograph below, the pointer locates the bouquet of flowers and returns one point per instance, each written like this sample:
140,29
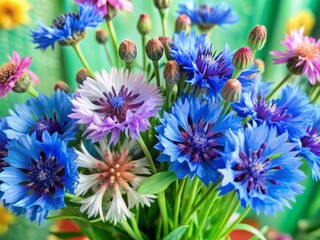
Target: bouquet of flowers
179,146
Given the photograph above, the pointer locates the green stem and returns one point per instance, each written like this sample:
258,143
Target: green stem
108,54
114,40
147,154
177,203
32,91
236,73
129,230
163,16
169,88
163,212
315,96
144,56
135,227
191,197
213,188
128,65
285,79
156,70
77,48
74,197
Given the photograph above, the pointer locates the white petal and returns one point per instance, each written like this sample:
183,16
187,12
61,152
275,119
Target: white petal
118,211
86,182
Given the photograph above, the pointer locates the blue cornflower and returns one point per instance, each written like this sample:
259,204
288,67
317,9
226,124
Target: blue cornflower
262,167
43,114
67,29
310,144
206,17
185,48
191,137
3,142
38,175
292,112
212,71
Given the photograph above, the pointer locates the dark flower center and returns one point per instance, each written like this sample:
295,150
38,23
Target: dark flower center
269,111
7,70
204,10
252,170
312,141
117,104
60,21
199,142
45,175
49,125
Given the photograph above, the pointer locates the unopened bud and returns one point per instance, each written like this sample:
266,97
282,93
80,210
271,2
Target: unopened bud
127,51
242,58
171,72
257,37
154,49
144,24
183,23
162,4
292,66
260,65
62,86
22,84
111,12
82,75
231,91
167,44
101,36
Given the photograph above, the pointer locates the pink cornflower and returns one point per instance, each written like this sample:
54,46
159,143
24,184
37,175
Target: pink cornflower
302,55
14,70
101,5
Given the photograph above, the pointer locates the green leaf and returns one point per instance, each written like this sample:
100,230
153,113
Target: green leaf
67,235
157,183
177,233
249,228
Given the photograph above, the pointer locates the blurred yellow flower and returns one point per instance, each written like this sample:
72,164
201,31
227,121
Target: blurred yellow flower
6,218
304,19
13,13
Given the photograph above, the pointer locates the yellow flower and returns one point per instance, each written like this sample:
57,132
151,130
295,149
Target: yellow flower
13,13
304,19
6,218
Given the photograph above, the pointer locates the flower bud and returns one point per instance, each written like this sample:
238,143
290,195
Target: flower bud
231,91
144,24
127,51
260,65
242,58
22,84
111,12
82,75
183,23
162,4
257,37
101,36
167,44
154,49
292,66
62,86
171,72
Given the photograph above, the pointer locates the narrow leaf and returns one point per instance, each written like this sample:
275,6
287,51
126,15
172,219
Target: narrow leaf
67,235
157,183
177,233
249,228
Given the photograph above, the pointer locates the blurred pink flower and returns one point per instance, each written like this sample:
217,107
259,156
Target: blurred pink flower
12,71
302,53
101,5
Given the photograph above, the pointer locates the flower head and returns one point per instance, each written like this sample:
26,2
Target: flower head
13,13
102,5
292,112
67,29
304,19
264,170
191,137
38,175
206,17
14,70
43,114
3,148
310,144
112,176
114,103
302,55
7,218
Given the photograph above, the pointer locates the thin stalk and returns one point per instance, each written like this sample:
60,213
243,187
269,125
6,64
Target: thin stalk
283,81
114,40
169,88
191,198
177,203
129,230
156,70
163,17
163,212
144,56
213,188
314,98
135,227
235,73
77,49
32,91
147,154
108,54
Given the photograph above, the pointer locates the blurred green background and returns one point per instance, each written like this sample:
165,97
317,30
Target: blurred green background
63,64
